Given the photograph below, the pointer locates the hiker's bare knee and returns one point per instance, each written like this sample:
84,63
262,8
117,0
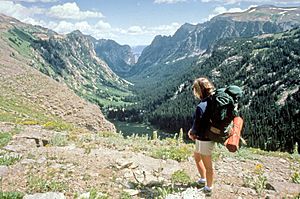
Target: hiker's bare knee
197,156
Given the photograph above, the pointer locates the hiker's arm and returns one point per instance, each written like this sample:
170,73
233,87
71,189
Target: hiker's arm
196,124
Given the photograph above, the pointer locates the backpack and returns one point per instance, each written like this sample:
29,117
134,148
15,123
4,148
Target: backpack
222,110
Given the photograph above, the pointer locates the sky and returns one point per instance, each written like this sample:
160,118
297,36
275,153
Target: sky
132,22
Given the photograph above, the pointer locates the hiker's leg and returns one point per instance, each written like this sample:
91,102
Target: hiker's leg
199,164
207,161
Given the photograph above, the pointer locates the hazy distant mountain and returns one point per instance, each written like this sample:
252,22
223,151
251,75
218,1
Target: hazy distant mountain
193,40
119,58
137,51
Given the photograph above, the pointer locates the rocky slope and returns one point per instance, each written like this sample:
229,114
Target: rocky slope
84,165
24,86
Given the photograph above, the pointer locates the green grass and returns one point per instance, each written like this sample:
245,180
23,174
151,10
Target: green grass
17,110
7,160
19,41
4,138
108,97
58,125
11,195
40,185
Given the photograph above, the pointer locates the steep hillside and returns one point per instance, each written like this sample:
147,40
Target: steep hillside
194,40
68,58
29,97
119,57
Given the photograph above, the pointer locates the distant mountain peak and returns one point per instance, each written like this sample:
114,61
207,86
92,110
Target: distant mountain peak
76,32
264,13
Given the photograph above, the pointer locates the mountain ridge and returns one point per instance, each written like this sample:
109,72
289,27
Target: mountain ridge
202,37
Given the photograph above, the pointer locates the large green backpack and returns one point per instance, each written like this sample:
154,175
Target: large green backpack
223,107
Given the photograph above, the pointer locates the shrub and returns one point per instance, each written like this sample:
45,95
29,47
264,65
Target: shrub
179,153
180,177
256,180
58,126
59,140
296,177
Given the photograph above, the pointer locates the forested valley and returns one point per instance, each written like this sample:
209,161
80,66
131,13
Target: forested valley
266,67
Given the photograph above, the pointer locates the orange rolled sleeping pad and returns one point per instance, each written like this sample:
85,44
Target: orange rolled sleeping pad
232,143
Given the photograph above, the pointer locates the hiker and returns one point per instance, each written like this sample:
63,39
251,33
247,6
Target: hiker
202,89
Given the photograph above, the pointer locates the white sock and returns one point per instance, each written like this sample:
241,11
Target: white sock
202,180
208,188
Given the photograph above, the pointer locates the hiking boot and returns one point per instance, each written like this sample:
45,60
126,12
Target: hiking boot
201,182
207,191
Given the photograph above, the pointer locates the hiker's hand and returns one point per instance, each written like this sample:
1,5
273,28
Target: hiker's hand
191,135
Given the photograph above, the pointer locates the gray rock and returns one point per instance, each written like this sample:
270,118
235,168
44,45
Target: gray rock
190,193
41,160
246,191
286,187
124,164
131,192
3,170
17,147
28,161
49,195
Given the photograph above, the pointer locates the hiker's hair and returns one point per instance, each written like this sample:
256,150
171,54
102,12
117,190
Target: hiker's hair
203,87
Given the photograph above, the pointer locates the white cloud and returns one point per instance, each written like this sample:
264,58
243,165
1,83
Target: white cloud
65,27
17,10
132,36
99,30
165,29
220,10
101,25
71,11
153,31
168,1
135,30
33,21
